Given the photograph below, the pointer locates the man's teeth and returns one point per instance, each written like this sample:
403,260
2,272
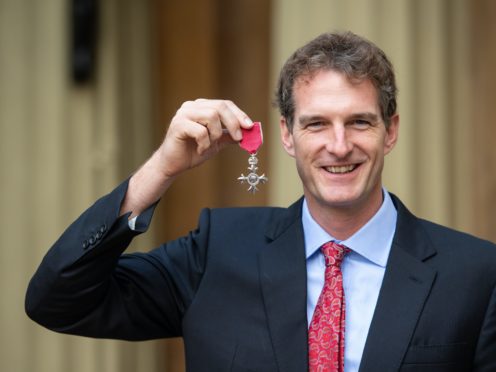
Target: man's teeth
341,169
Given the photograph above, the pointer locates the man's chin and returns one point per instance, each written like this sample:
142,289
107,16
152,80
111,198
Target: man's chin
344,201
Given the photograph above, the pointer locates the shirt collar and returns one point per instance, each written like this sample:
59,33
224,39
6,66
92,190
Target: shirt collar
379,229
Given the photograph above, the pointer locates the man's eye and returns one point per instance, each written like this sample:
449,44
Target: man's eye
315,124
361,123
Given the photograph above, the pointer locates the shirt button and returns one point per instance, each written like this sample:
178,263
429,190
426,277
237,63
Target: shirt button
92,240
85,244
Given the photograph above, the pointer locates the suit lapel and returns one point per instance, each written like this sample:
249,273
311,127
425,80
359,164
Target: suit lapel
283,280
405,288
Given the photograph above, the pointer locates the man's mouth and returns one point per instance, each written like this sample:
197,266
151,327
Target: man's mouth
341,169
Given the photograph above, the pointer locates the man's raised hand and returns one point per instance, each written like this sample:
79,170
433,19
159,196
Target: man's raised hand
198,130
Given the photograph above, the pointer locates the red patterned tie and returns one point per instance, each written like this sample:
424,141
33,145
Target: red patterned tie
326,332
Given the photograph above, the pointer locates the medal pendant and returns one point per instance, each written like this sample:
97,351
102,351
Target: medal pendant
251,142
253,179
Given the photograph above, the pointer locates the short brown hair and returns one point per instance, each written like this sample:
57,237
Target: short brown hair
356,57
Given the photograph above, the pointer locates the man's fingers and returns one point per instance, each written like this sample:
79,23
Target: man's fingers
229,115
191,130
234,119
208,122
244,119
207,117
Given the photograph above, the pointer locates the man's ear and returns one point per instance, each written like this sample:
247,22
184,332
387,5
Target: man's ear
392,133
286,137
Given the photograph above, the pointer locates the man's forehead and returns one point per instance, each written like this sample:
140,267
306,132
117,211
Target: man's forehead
308,77
322,89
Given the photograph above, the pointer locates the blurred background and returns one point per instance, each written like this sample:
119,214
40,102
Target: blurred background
87,89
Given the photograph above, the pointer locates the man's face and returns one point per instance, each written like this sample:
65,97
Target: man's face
339,141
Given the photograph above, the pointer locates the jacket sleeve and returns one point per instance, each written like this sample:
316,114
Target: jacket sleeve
85,285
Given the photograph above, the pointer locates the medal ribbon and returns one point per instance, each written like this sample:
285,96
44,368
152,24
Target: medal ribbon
252,138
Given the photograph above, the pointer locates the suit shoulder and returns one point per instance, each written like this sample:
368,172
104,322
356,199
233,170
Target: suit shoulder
446,238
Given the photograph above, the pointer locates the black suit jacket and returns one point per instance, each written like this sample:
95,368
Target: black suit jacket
235,290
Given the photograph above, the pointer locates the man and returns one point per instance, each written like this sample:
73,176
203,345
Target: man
256,289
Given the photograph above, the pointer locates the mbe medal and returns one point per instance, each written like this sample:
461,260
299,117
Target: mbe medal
251,142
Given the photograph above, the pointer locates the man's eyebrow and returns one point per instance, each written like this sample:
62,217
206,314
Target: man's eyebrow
364,116
311,118
369,116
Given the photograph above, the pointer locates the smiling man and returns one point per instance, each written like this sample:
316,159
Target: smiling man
345,279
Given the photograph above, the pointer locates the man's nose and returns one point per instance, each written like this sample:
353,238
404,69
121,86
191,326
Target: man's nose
339,141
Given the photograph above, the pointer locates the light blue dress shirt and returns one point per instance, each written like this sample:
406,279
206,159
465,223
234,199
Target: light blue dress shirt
363,270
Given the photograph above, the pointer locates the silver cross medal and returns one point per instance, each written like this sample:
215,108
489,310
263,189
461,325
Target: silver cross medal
251,142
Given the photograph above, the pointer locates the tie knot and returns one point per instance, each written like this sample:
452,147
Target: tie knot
334,253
